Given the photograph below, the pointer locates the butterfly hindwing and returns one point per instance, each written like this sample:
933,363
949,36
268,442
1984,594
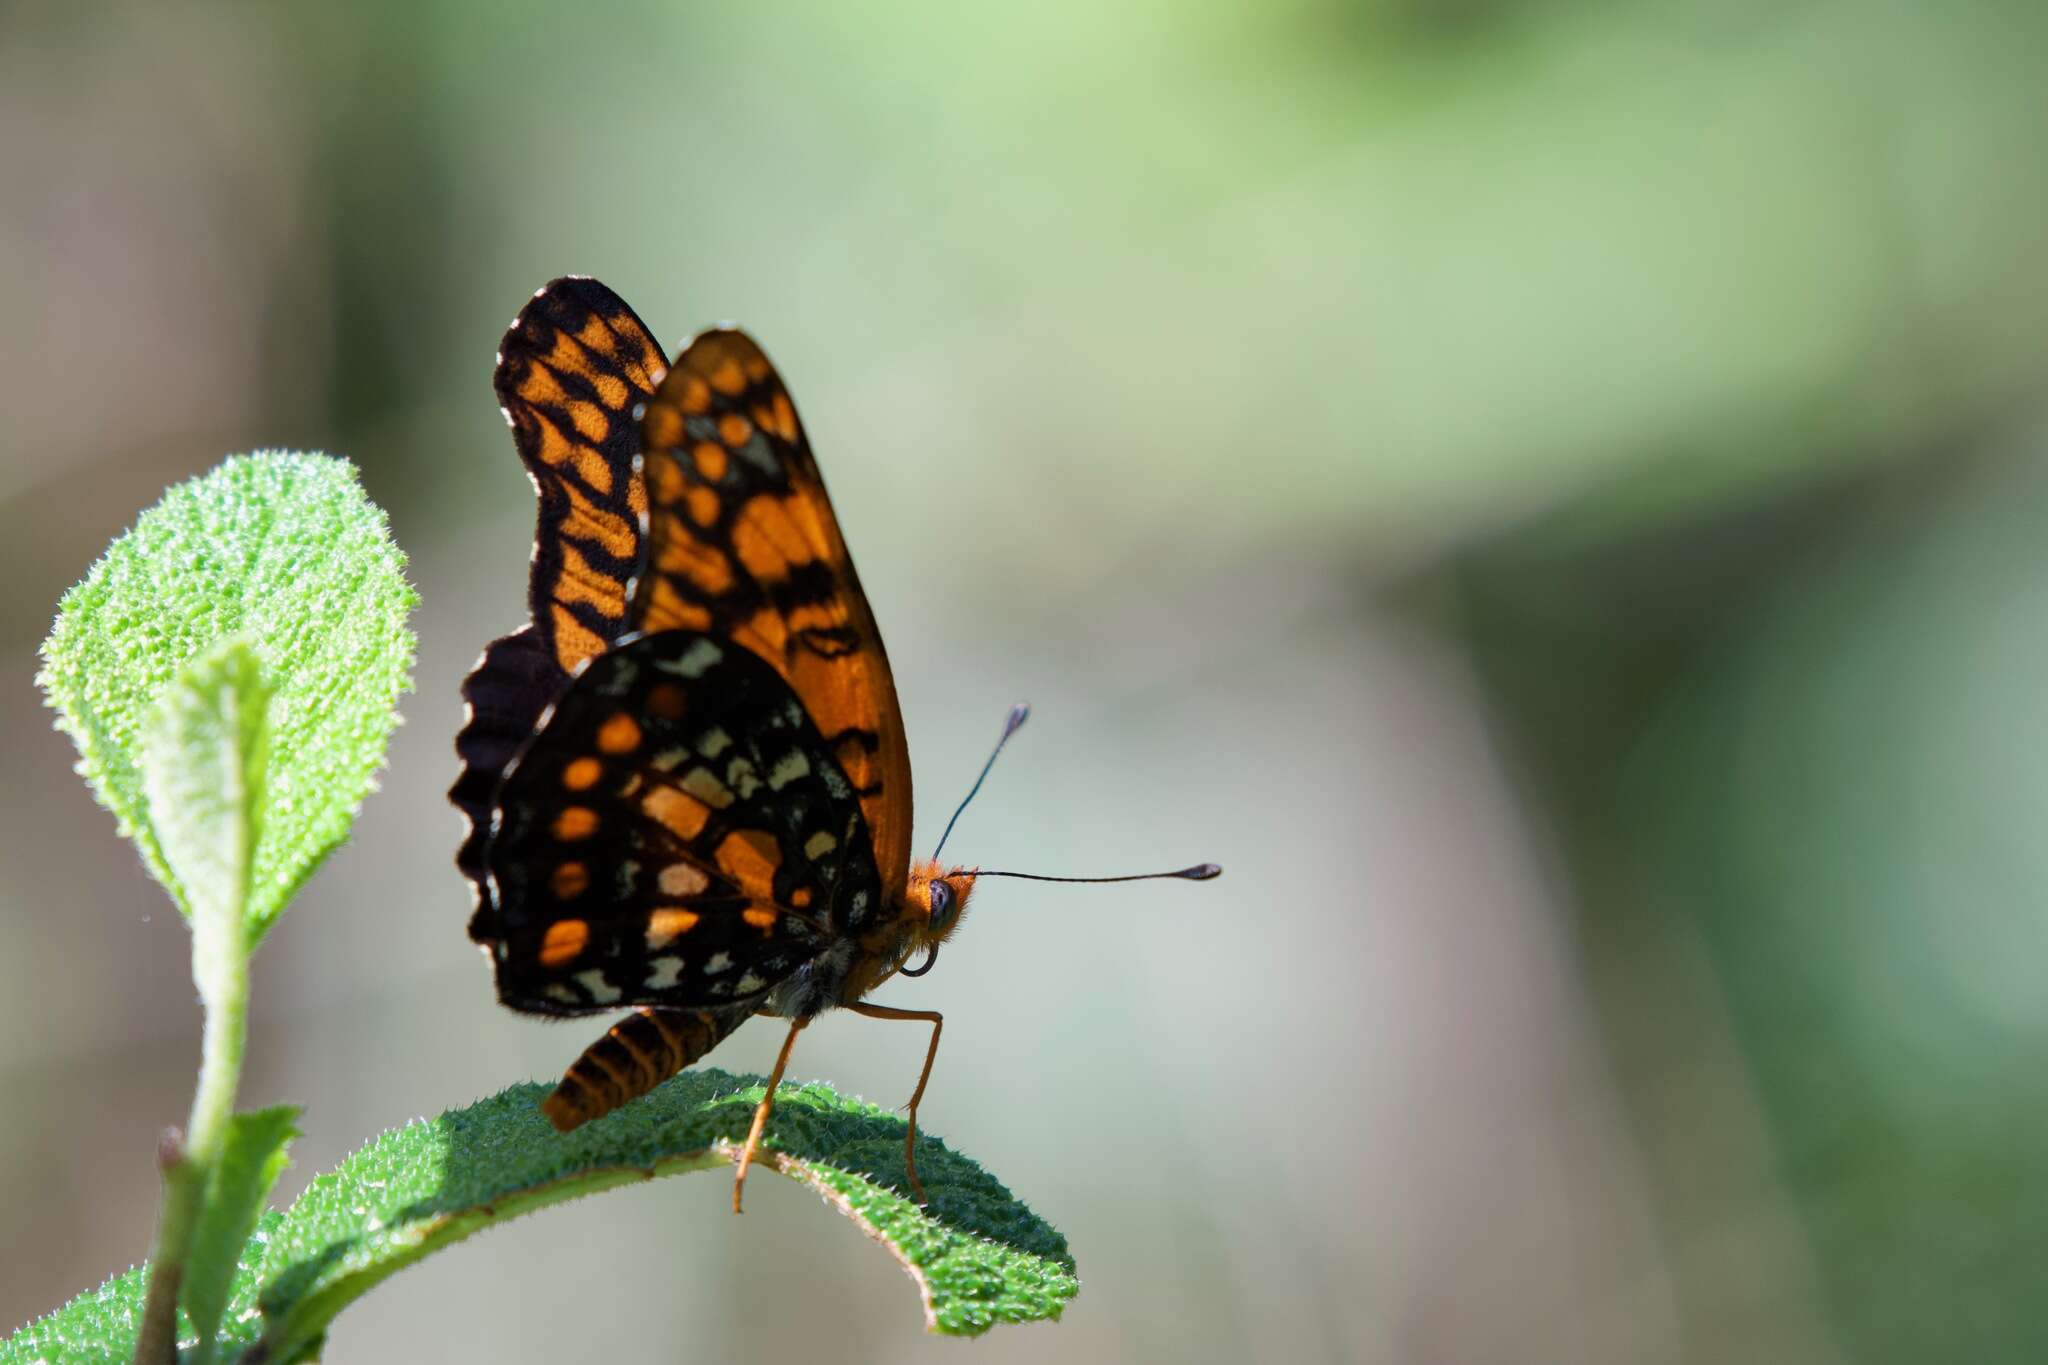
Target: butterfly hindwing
676,833
742,544
504,696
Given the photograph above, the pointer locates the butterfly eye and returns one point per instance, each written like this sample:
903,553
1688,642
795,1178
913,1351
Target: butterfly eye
942,904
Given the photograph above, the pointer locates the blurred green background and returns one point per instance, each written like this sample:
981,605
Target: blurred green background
1552,493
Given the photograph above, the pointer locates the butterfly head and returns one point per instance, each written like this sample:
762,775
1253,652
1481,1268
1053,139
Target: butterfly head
937,900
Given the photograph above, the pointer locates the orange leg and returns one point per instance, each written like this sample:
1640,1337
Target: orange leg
763,1110
937,1021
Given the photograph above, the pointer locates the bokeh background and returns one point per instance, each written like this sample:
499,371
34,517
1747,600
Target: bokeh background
1552,493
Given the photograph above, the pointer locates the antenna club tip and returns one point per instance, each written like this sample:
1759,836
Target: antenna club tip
1019,713
1201,872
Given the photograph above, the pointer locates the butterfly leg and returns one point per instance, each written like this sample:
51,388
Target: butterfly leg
763,1110
931,1054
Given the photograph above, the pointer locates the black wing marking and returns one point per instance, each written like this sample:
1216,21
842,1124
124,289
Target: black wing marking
574,365
676,833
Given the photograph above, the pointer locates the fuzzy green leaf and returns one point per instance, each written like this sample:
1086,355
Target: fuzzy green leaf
253,1159
284,550
204,753
98,1328
979,1257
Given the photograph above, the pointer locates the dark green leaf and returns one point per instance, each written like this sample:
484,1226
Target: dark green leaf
98,1328
978,1256
249,1167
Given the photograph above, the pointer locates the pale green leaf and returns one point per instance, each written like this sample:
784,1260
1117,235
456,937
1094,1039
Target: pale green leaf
284,550
204,756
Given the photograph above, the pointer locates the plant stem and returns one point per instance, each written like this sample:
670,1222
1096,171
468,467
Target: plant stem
220,965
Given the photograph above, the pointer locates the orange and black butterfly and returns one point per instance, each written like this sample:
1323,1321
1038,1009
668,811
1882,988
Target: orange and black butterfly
686,779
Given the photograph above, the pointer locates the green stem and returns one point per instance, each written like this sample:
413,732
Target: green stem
220,965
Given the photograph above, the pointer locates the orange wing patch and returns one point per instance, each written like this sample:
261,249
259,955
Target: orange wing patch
680,814
749,858
570,372
743,543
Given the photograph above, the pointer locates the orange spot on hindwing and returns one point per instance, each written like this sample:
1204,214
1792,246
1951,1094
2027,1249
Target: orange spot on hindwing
620,734
750,857
563,941
665,700
575,822
679,813
665,926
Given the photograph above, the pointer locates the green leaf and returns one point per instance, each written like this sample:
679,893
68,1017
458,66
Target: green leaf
98,1328
284,550
978,1256
249,1167
204,755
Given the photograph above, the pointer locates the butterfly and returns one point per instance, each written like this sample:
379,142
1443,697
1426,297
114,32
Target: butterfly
686,779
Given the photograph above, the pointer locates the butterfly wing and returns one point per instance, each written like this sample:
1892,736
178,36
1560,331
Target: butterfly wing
676,833
572,372
572,369
742,545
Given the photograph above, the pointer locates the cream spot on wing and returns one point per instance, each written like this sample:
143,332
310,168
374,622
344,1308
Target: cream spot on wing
714,743
696,660
665,973
681,879
751,982
717,963
664,924
601,991
668,760
739,774
789,770
562,994
700,783
818,845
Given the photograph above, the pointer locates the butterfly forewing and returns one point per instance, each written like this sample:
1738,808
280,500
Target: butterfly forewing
676,833
572,373
572,369
742,544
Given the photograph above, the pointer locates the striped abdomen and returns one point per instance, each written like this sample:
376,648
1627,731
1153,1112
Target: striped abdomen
638,1053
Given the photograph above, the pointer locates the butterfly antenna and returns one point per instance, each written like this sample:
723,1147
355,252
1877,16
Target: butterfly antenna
1200,872
1019,713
